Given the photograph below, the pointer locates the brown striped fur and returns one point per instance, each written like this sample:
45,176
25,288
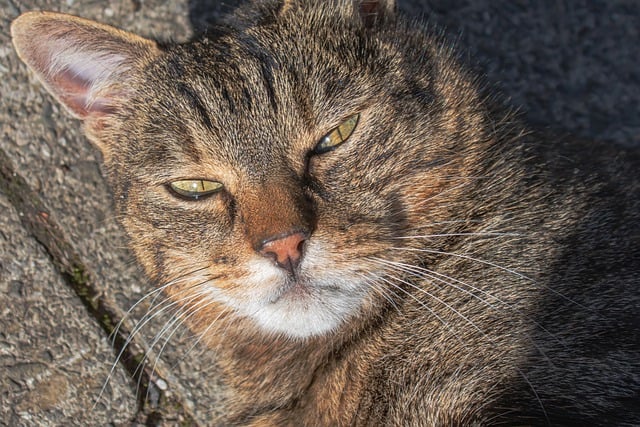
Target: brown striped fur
458,268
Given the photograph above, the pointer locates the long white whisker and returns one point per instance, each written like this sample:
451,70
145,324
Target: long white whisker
467,257
423,305
136,329
158,336
450,281
203,333
491,264
480,234
411,285
432,275
178,320
157,291
372,282
441,301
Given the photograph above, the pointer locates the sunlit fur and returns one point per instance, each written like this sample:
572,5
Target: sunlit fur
460,268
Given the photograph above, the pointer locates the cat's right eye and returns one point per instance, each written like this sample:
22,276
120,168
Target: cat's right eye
337,136
195,189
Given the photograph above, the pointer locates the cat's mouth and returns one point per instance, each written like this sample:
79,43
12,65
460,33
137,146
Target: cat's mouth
314,301
294,289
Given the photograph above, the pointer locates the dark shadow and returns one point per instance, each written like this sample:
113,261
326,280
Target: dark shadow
587,322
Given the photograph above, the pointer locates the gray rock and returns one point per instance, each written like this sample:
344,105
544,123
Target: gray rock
54,360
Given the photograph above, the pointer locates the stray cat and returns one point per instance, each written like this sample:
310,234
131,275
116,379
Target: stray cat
364,236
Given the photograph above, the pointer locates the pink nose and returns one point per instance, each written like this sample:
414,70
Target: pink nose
286,250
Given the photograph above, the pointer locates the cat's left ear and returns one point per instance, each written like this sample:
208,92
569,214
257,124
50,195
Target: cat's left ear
85,65
374,11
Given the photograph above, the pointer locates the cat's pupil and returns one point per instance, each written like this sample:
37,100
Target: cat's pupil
194,189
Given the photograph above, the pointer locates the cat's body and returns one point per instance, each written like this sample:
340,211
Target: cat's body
437,264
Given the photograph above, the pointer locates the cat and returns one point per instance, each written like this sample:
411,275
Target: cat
358,228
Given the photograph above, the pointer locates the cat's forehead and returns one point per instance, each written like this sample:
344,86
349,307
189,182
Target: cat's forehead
248,93
273,67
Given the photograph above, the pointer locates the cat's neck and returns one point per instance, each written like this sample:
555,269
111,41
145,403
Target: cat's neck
266,374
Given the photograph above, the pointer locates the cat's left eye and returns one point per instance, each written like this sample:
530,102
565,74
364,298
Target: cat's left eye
337,136
195,189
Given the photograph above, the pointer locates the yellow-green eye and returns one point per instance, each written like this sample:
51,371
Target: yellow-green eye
195,188
338,135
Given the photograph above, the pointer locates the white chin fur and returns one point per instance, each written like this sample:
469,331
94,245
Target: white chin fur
296,323
329,300
306,316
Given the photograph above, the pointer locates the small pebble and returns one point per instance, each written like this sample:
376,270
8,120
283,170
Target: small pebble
161,384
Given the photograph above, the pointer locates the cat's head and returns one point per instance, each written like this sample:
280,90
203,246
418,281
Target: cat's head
271,169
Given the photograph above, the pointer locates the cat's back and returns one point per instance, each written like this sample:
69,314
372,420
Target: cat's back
586,338
536,309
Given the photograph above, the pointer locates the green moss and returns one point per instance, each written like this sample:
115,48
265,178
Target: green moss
79,277
107,323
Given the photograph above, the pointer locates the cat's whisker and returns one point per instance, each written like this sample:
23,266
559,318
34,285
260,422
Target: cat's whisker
156,291
144,320
204,333
451,282
441,301
149,347
182,316
467,257
494,265
136,330
473,324
479,234
185,309
223,333
373,282
422,304
158,308
137,327
175,300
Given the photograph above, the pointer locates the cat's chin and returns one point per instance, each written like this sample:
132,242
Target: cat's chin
302,311
303,307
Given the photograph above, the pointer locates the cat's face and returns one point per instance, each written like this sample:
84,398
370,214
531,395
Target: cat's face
272,171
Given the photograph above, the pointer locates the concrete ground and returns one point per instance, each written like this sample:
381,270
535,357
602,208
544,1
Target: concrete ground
65,272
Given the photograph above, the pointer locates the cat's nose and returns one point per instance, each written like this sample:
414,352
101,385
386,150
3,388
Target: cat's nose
285,250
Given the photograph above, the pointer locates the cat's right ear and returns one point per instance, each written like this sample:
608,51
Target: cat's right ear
84,64
373,11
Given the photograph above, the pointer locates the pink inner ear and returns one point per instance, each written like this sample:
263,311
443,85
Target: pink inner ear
82,74
84,64
77,93
73,91
84,79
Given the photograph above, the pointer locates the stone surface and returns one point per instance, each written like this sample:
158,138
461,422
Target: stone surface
572,66
46,146
54,359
